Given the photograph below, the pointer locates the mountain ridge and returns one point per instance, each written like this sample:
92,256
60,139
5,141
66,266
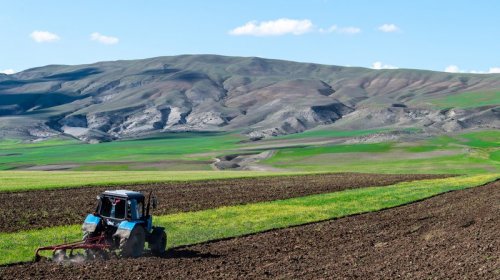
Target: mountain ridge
110,100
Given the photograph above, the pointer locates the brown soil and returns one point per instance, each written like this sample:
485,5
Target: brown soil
451,236
38,209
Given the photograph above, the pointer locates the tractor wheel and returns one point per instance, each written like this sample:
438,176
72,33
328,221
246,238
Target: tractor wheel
90,253
158,241
87,235
133,246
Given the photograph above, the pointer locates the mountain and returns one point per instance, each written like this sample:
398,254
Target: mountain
255,96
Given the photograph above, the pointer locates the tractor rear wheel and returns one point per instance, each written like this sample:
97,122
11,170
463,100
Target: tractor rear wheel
133,246
158,241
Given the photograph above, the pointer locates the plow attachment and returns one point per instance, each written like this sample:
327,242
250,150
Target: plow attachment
98,244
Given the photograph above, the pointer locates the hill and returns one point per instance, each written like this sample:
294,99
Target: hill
257,97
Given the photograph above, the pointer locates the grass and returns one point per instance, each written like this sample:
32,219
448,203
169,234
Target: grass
195,227
329,133
456,164
482,139
468,153
191,150
291,154
15,144
467,100
177,146
38,180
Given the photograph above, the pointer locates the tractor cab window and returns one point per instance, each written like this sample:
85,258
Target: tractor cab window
140,209
113,207
120,206
134,210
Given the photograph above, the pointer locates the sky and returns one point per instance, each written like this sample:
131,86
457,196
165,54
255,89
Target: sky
453,36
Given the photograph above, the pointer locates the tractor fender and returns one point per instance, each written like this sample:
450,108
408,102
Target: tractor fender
125,228
90,224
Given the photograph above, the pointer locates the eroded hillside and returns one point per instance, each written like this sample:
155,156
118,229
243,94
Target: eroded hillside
259,97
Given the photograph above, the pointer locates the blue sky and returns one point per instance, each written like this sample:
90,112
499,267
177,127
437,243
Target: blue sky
454,35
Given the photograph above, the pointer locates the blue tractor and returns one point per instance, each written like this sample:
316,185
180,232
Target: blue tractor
121,223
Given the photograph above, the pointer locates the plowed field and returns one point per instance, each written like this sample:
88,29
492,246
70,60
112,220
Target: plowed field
450,236
38,209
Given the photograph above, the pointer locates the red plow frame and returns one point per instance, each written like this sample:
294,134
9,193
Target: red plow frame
94,243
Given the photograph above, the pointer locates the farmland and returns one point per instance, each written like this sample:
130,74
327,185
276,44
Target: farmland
60,178
297,184
305,185
241,219
306,178
68,206
322,150
37,180
215,140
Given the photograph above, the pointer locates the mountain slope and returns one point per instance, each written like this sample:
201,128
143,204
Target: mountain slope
259,97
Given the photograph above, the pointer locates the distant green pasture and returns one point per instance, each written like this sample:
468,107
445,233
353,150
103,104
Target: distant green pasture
175,151
175,146
329,133
468,153
467,99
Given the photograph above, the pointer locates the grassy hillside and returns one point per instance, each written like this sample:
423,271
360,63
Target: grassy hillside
467,100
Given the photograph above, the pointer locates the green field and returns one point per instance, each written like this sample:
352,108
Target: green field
468,153
176,146
311,151
175,151
467,100
329,133
36,180
195,227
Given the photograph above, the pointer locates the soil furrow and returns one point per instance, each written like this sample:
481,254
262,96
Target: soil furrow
450,236
44,208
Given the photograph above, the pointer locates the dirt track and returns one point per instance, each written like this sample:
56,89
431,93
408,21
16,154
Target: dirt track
451,236
38,209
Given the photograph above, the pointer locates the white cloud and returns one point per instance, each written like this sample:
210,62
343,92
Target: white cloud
277,27
8,71
341,30
379,65
456,69
388,28
349,30
494,70
285,26
44,36
107,40
452,69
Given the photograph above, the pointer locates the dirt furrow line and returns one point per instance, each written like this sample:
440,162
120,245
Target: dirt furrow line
450,236
38,209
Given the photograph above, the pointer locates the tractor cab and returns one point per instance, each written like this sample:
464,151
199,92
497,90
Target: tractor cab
121,205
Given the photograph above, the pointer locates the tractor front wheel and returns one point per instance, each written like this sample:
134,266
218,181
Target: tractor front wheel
133,246
90,253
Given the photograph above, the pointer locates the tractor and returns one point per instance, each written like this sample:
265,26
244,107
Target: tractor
121,223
